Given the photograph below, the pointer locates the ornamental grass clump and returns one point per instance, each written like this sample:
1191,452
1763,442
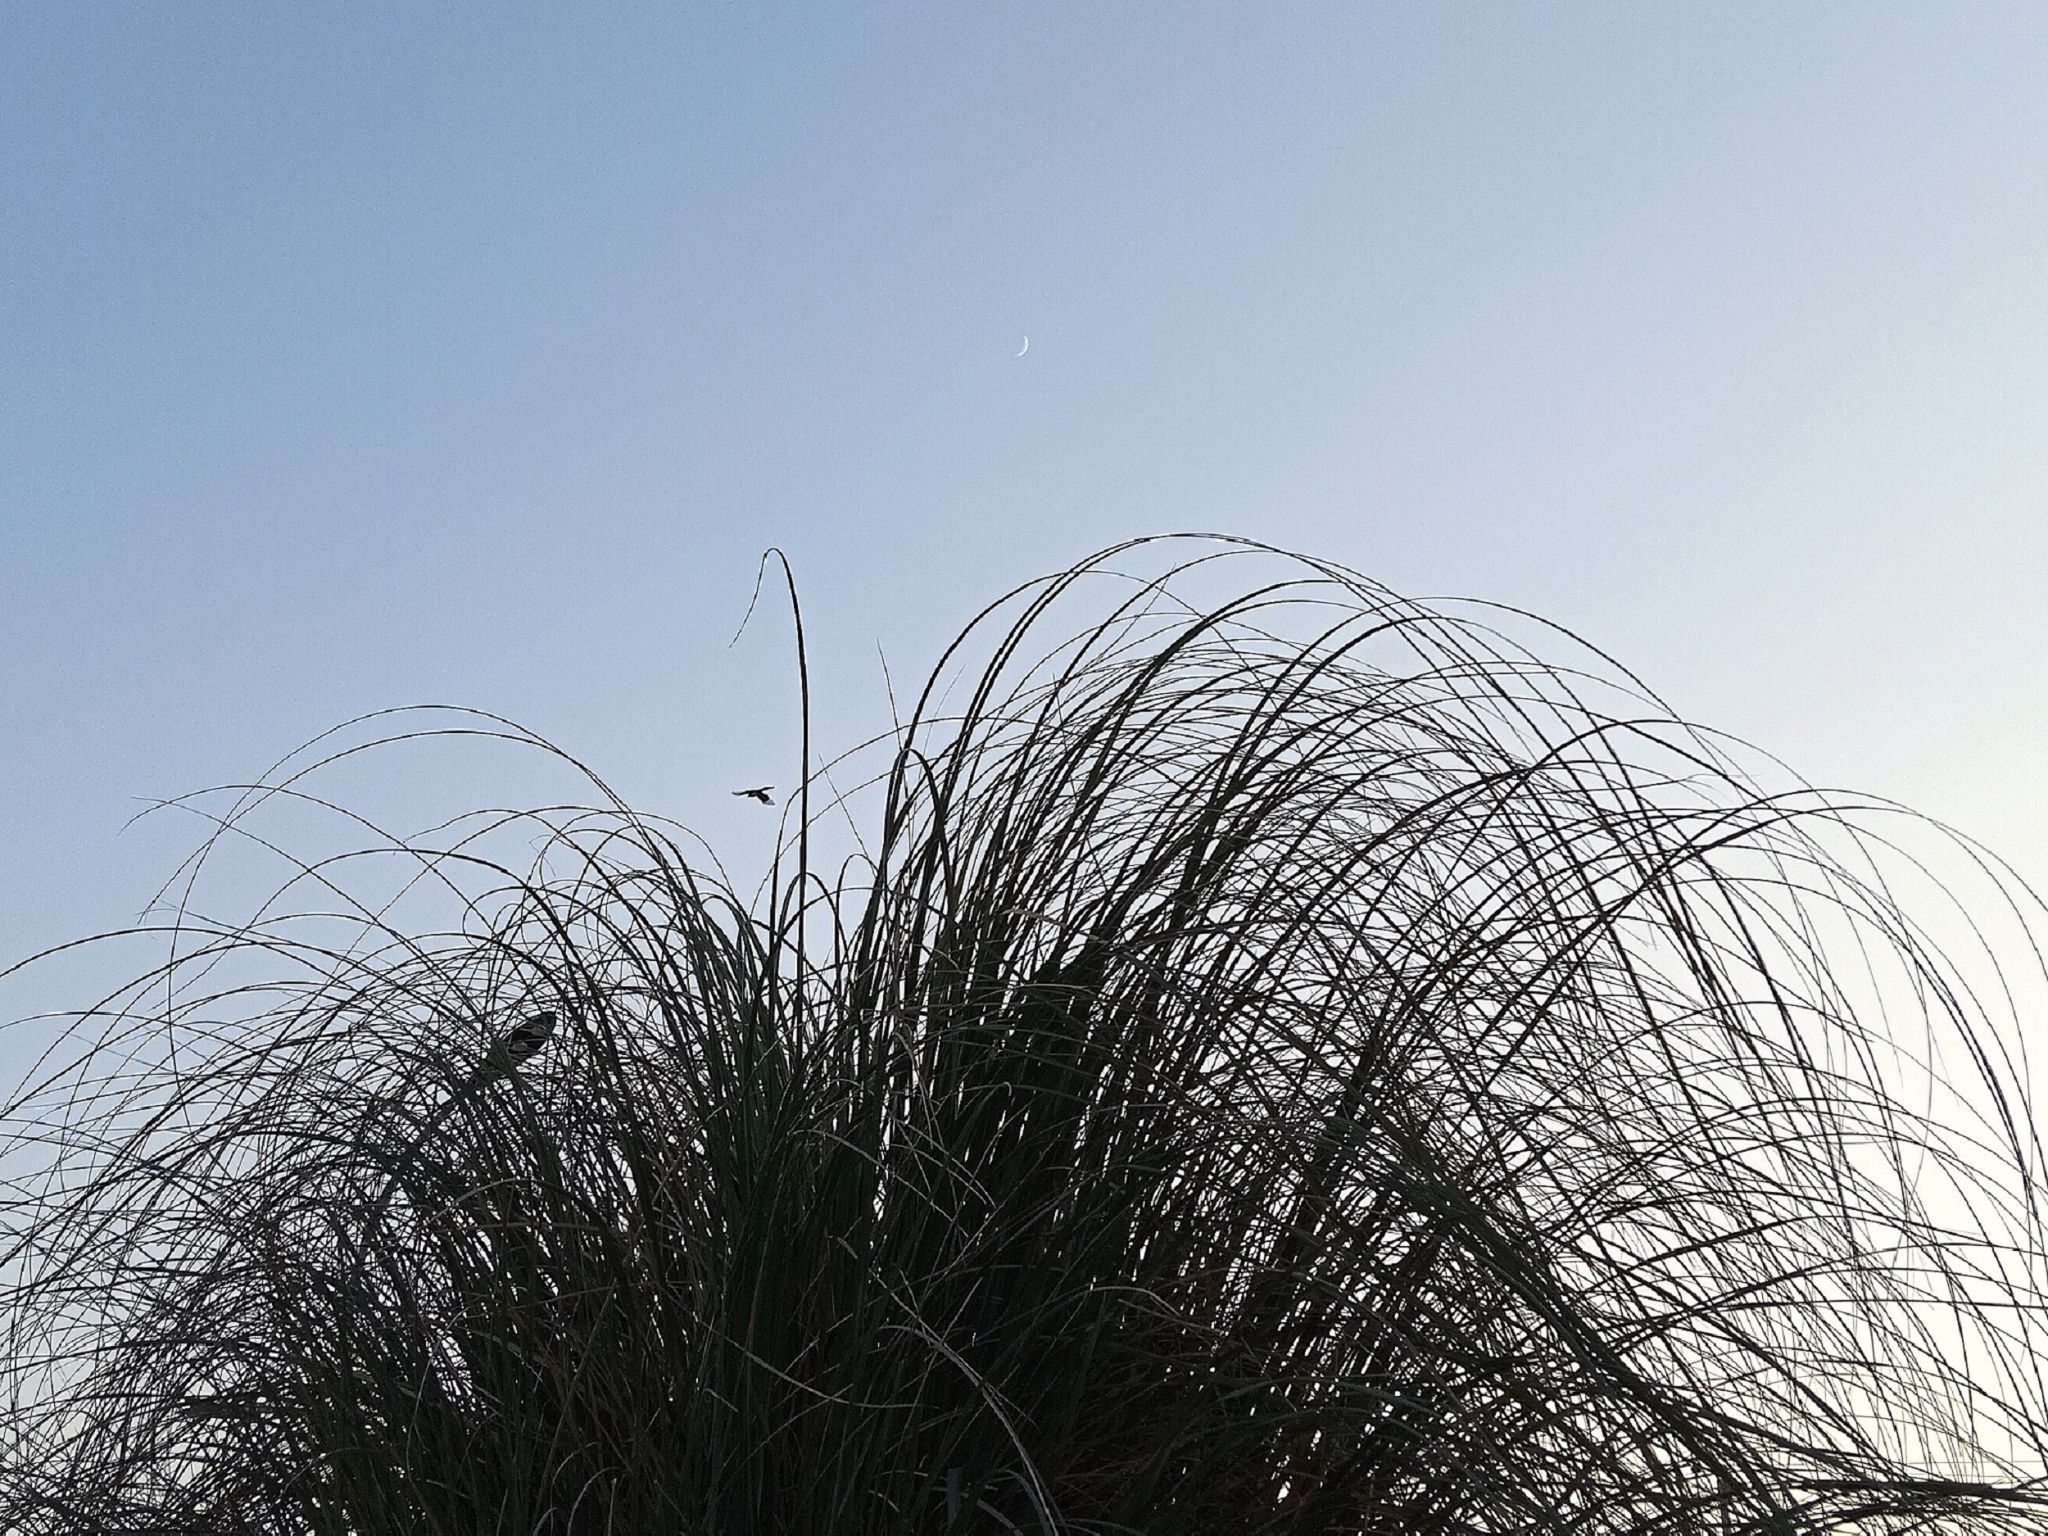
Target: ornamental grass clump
1249,1054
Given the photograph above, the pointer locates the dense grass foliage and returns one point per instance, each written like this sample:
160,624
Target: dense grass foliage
1250,1054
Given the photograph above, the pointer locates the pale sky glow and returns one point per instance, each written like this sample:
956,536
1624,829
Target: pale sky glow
365,356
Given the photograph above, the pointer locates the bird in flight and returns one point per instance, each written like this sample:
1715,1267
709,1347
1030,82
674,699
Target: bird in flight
512,1051
760,794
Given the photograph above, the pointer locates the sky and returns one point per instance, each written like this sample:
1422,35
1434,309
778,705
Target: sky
363,356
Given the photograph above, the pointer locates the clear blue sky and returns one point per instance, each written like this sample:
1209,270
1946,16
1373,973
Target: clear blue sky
372,354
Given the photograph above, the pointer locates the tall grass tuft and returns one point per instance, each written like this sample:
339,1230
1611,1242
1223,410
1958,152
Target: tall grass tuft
1249,1053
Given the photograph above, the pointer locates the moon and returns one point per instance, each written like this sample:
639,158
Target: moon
1025,348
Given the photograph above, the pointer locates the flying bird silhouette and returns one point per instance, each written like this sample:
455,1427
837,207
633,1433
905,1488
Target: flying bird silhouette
511,1052
760,794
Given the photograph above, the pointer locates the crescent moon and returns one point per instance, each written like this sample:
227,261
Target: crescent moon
1025,348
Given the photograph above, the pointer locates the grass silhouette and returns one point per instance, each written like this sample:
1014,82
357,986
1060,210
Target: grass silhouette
1245,1055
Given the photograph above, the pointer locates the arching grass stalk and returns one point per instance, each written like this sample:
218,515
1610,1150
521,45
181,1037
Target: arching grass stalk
1279,1059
